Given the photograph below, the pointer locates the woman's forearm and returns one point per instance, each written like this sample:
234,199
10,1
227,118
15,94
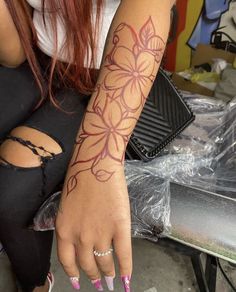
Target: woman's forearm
11,50
133,53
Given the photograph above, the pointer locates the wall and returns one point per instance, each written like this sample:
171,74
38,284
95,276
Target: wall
198,22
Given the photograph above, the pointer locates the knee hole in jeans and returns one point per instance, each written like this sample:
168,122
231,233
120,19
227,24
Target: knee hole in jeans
34,146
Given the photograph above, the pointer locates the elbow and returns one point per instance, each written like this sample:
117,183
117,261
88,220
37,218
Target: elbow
13,61
14,64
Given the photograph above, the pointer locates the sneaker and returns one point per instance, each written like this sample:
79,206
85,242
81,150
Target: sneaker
1,248
51,281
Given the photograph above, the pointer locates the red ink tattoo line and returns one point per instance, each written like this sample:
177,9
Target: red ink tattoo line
109,121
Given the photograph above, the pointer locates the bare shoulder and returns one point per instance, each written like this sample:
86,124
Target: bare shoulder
11,50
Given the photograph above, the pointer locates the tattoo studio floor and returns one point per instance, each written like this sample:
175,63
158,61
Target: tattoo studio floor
157,268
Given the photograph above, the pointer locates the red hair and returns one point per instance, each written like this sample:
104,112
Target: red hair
81,40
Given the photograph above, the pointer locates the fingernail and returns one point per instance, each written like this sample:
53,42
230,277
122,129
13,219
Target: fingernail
110,283
75,283
97,284
126,283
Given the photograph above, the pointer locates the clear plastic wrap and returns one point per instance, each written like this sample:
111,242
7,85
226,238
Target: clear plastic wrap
212,166
210,163
149,200
203,156
46,215
224,160
200,138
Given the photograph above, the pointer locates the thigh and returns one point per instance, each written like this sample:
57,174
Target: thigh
62,125
28,251
23,188
45,141
19,94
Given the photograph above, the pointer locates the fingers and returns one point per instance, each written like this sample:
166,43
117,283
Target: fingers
83,254
88,264
67,258
123,248
106,263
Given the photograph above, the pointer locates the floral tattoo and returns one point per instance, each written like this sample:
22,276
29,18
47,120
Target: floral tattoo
130,69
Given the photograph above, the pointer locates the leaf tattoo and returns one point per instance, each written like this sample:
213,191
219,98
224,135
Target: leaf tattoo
110,119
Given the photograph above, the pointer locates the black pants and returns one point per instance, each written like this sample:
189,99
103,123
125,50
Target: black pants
23,190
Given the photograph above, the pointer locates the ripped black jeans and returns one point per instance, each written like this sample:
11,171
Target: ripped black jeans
22,189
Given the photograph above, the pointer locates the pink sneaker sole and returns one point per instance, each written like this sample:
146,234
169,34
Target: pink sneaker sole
51,281
1,248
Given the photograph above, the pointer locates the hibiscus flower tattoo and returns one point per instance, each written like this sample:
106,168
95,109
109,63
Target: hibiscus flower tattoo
130,69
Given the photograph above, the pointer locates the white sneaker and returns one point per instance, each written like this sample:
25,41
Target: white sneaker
51,281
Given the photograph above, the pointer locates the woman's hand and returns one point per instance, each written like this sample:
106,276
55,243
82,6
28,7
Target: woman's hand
95,216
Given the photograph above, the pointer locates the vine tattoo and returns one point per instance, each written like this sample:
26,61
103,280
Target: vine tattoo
130,69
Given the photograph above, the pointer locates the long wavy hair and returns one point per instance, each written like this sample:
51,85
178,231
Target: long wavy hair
81,40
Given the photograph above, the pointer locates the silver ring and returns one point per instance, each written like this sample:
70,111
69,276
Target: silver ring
102,254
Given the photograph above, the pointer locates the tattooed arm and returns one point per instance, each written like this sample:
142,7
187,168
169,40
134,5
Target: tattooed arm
134,50
95,207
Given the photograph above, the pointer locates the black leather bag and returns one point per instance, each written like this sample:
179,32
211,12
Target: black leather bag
164,116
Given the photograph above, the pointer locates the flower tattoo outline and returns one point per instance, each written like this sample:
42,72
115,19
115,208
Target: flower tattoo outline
110,119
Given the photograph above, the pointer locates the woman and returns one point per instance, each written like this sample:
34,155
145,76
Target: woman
42,102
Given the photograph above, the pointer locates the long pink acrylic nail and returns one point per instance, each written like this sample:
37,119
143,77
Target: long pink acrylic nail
75,283
110,283
126,283
97,284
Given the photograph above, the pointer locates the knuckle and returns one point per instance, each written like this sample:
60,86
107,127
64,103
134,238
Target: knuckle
87,269
90,272
84,263
62,233
93,276
108,270
125,258
84,239
126,268
67,264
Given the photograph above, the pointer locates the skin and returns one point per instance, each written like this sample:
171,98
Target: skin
94,210
12,55
11,51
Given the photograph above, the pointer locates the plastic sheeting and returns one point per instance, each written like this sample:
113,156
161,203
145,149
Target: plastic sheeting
203,156
149,200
